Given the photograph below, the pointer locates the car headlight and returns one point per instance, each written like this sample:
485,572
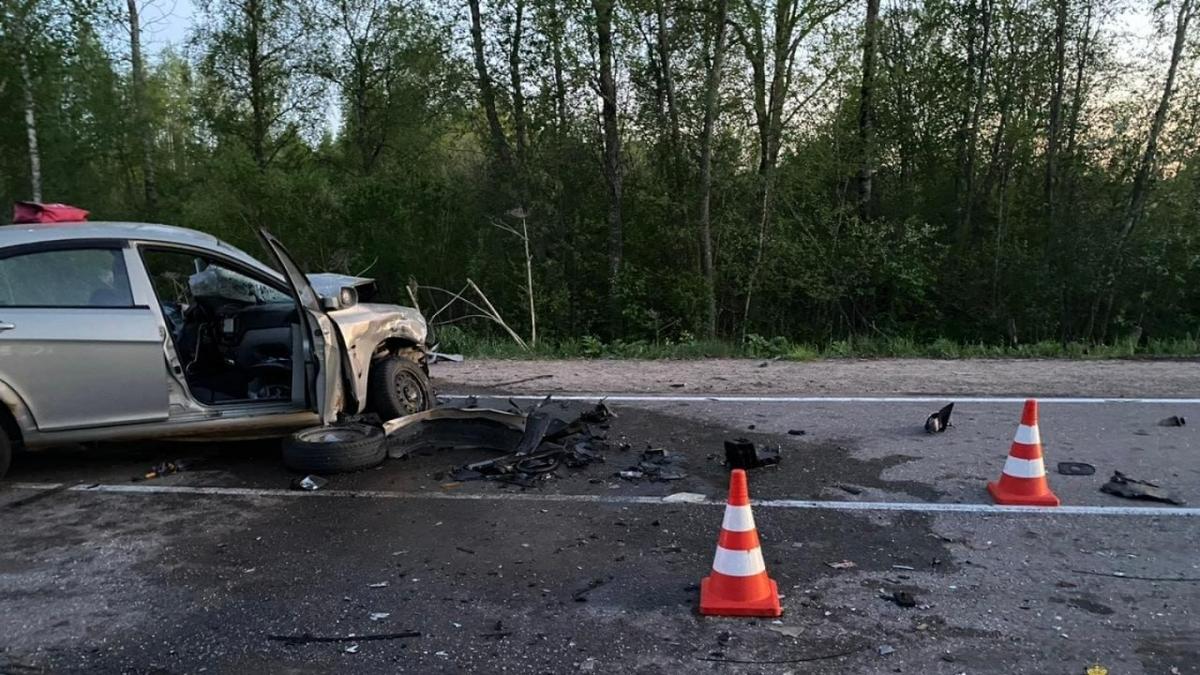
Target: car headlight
347,297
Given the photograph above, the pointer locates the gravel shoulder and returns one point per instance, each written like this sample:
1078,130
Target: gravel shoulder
998,377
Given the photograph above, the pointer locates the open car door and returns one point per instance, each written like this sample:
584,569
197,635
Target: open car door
323,361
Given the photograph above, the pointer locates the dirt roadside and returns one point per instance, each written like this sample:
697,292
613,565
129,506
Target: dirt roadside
999,377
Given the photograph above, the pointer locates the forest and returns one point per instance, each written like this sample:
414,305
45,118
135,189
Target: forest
988,172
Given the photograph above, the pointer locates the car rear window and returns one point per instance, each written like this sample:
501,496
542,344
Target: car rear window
87,277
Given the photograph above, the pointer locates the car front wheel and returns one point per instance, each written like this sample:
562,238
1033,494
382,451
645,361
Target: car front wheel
397,387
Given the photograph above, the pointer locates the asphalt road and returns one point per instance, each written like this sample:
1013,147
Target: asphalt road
587,572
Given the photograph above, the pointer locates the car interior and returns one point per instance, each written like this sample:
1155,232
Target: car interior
235,335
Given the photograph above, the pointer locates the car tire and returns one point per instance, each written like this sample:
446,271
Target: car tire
397,387
6,451
335,449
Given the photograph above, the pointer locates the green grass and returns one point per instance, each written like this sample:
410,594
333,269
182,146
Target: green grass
454,340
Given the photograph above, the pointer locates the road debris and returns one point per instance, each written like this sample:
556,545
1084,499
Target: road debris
1121,485
351,649
164,469
796,432
910,568
1172,421
1076,469
884,650
534,442
581,594
741,453
307,638
309,483
901,598
378,584
1095,669
842,564
1135,577
656,464
685,498
940,420
850,489
379,616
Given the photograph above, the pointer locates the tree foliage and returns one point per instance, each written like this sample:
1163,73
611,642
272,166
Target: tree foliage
984,170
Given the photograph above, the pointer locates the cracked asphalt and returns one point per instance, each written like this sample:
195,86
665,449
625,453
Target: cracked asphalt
183,582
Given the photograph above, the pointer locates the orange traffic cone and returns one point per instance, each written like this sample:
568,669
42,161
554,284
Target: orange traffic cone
1023,482
739,585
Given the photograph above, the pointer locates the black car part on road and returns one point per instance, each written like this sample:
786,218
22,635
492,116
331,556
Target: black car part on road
335,449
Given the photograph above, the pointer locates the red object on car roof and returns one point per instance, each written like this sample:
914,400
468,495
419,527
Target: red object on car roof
34,212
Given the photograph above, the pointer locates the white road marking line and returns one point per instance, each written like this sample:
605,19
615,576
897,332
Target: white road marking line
734,398
803,504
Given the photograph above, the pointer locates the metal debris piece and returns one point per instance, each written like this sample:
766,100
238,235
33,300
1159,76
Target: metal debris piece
1076,469
438,357
378,584
741,453
1121,485
1172,421
309,483
940,420
351,649
379,616
884,650
842,564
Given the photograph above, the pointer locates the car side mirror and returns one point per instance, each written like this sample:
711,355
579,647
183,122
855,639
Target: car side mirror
347,297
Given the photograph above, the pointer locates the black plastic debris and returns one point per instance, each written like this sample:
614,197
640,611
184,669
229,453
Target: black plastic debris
1121,485
1172,421
939,421
741,453
901,598
545,443
1076,469
658,464
796,432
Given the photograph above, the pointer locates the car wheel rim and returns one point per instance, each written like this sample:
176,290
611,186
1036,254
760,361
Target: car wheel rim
409,393
332,435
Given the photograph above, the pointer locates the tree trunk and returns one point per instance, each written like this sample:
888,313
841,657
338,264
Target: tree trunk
612,154
16,30
487,94
668,79
35,155
1142,179
1056,104
976,105
711,106
258,103
865,111
140,113
518,96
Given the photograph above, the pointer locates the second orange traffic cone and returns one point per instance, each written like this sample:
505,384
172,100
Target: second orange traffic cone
1023,480
739,585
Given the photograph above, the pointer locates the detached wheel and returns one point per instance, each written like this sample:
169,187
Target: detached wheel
5,453
397,387
335,449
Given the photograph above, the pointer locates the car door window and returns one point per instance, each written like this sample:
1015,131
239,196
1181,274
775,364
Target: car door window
85,277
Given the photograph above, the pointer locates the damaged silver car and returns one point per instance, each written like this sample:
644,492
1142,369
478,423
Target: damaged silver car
122,331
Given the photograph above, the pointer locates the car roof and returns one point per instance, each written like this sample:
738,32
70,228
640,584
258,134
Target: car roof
15,235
